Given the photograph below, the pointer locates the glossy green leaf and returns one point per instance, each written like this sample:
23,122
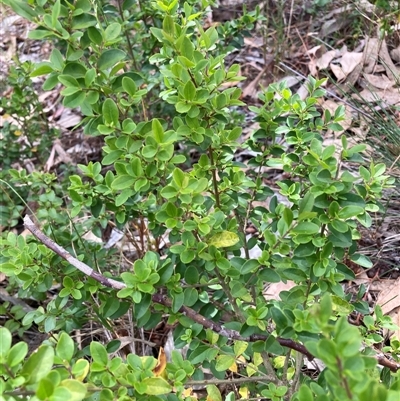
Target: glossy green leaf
128,84
65,347
362,260
189,91
110,113
112,32
306,227
224,362
98,353
83,21
122,182
23,9
109,58
16,354
74,100
5,341
45,389
38,364
76,389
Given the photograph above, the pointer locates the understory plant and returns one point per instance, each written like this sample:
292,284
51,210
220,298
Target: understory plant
184,188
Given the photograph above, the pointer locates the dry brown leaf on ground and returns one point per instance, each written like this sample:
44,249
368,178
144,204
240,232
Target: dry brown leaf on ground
333,25
63,157
338,72
379,81
349,61
303,91
324,61
389,300
395,54
387,97
391,70
351,79
275,289
315,54
371,52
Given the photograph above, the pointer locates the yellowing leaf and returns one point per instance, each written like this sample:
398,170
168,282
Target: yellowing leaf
213,394
17,133
251,369
188,392
156,386
224,239
239,347
244,392
257,359
279,361
161,363
233,367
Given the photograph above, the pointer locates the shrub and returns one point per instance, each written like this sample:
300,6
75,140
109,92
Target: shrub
194,264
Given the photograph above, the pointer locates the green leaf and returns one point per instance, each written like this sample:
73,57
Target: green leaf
5,341
123,197
305,394
9,269
177,301
157,130
224,239
95,35
187,256
39,34
123,182
361,260
45,389
16,354
168,25
98,353
42,69
306,227
39,364
169,192
213,393
113,156
57,60
239,347
83,21
23,9
112,32
189,91
69,81
128,84
224,362
350,211
65,347
74,100
55,13
110,113
76,389
249,266
156,386
191,296
109,58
